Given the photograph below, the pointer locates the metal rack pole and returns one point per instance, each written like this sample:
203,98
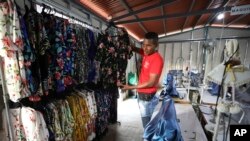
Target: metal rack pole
10,133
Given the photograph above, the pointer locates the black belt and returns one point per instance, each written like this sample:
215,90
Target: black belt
146,97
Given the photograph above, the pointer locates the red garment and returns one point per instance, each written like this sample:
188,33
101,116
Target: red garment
151,64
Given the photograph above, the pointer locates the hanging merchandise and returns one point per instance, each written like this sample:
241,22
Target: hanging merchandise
124,52
45,57
113,54
11,50
82,65
107,55
92,51
28,124
37,48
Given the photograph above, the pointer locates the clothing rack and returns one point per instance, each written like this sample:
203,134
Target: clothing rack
63,12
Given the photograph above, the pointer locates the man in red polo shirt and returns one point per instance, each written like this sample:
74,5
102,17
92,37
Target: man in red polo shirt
151,69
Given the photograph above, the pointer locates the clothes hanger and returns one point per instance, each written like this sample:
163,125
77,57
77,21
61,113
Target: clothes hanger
32,9
43,10
26,9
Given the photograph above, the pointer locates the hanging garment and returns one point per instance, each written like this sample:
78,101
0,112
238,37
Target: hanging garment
66,118
34,125
102,104
56,126
164,126
112,94
27,124
40,45
81,116
28,53
58,51
82,62
70,54
11,47
124,52
107,55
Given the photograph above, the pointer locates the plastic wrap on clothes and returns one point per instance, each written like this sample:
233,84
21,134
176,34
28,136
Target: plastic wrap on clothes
164,126
169,86
215,89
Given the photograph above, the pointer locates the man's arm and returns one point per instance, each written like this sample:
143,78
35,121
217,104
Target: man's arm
150,83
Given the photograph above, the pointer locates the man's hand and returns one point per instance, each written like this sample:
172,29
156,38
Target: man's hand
126,87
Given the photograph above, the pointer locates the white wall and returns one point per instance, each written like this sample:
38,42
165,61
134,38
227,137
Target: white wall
197,49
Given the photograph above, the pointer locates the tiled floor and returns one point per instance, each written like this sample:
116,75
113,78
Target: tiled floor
130,128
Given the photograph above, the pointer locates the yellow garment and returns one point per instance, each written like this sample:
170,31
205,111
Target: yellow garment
81,115
238,68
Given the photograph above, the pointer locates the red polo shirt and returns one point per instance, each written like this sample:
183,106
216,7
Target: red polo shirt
151,64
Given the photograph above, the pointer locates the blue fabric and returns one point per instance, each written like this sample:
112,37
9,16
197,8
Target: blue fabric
145,121
164,126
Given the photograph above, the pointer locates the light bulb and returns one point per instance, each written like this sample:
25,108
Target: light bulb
220,16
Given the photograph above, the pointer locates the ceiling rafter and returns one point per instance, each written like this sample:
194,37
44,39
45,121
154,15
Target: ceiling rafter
193,13
125,4
144,9
211,19
208,6
189,10
163,20
236,19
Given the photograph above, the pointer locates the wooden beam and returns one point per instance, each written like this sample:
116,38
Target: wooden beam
144,9
208,6
194,13
235,20
211,19
163,20
125,4
190,9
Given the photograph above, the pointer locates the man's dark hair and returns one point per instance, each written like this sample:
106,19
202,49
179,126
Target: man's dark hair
152,36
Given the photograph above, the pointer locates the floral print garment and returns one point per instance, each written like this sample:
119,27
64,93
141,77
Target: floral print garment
56,126
29,56
80,112
11,46
124,53
28,124
102,104
69,55
66,118
107,55
39,46
34,125
82,65
63,55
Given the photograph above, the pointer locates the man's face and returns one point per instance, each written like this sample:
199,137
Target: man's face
149,46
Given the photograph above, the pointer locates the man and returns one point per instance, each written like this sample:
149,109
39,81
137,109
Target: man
151,69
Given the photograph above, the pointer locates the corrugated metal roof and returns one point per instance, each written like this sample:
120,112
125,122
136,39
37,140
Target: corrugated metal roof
166,16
